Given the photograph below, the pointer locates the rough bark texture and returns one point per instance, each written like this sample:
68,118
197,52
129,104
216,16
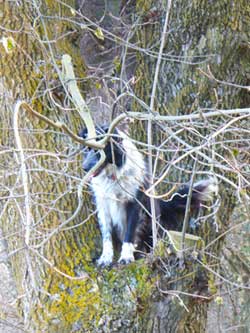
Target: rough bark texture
27,73
201,34
124,299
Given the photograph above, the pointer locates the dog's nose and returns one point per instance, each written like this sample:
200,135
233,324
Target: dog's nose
86,165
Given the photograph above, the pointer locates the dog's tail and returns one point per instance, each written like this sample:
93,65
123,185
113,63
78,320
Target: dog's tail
172,211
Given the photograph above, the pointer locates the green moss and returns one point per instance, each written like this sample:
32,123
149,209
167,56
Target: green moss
100,299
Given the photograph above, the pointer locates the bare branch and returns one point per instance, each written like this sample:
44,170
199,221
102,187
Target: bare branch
59,125
149,130
24,175
187,210
81,106
211,76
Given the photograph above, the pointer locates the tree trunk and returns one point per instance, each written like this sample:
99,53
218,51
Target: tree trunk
202,36
29,72
149,295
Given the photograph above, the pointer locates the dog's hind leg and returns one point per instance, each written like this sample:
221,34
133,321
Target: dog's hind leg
127,253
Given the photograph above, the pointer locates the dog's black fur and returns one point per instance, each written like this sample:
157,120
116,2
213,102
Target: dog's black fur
123,207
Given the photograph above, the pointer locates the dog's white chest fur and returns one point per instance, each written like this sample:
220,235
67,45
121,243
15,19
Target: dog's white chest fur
113,189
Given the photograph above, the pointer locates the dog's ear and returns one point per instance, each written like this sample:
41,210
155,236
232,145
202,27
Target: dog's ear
115,133
100,130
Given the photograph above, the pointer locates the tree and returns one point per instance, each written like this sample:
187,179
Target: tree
198,127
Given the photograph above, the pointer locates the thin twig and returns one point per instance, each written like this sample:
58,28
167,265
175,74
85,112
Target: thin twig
59,125
187,210
225,233
211,76
24,174
149,130
84,276
221,277
195,149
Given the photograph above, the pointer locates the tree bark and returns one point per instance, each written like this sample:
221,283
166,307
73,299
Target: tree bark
202,36
30,72
151,295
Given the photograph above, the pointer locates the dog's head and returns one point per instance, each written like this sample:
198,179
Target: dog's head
113,150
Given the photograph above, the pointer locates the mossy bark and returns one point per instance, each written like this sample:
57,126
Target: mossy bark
28,72
202,35
127,299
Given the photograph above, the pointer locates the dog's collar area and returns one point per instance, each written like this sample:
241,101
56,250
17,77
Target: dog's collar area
97,172
112,176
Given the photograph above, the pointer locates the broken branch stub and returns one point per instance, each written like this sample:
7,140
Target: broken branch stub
77,99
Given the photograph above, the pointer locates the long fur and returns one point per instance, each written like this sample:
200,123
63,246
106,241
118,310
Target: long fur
122,206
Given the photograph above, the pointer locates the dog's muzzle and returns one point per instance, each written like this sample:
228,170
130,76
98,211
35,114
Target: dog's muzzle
91,158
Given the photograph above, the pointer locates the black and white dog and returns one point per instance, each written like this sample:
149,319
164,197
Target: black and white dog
122,206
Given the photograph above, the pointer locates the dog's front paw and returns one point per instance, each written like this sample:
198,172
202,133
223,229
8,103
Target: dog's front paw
104,261
125,261
107,254
127,254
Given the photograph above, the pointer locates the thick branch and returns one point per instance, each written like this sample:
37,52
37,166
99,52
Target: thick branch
59,125
77,99
135,115
192,116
